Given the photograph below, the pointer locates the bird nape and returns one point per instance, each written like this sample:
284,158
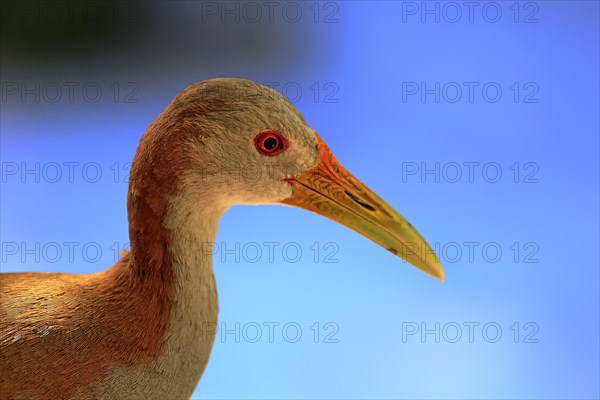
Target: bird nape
135,330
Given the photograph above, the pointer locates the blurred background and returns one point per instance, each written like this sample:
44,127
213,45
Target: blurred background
477,121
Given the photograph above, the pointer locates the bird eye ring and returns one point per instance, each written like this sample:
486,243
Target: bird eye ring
270,143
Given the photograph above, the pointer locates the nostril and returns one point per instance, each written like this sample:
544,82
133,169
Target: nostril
359,201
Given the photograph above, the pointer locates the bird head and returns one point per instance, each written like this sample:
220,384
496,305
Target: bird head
248,145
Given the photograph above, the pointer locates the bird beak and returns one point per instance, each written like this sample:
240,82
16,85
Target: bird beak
328,189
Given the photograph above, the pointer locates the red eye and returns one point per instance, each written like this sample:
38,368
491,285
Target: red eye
270,143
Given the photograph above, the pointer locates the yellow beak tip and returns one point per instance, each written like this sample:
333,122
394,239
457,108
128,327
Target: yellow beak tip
430,267
436,271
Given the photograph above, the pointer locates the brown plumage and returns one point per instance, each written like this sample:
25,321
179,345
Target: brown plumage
138,329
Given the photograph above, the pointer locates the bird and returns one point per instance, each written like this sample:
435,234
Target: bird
136,329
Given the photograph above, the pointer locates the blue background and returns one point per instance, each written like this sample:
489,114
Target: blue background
541,290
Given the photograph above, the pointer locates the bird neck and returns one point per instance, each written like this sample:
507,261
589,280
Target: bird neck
173,220
173,215
194,315
168,275
178,306
192,223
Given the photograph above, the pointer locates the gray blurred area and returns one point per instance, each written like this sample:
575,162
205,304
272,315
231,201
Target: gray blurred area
158,40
